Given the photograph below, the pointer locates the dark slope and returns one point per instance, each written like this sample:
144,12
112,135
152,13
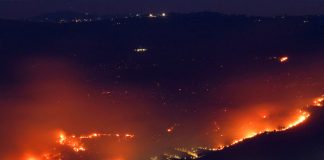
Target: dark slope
304,142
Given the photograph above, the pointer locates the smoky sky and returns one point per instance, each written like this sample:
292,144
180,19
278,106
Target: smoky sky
26,8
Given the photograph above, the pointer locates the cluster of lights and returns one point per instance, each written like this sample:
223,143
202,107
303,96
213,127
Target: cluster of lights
140,50
192,153
77,20
168,157
151,15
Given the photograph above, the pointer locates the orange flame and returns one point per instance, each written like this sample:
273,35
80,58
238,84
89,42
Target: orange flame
303,116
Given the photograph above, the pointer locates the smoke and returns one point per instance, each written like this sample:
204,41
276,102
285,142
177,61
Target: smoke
49,95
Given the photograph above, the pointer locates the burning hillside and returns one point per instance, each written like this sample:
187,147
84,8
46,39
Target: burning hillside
108,120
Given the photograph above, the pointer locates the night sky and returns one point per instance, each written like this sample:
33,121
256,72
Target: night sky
27,8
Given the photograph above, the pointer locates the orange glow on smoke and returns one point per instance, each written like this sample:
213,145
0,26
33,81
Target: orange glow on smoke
30,156
304,115
300,118
140,128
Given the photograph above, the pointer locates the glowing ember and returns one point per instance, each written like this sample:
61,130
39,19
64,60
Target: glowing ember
129,136
170,129
283,59
319,101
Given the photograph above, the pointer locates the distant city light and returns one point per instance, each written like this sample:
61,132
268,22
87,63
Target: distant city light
140,50
151,15
163,14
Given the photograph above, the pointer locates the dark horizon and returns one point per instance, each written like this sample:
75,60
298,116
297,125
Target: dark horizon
29,8
105,16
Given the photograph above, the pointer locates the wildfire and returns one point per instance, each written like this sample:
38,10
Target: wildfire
76,143
194,153
303,116
71,141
